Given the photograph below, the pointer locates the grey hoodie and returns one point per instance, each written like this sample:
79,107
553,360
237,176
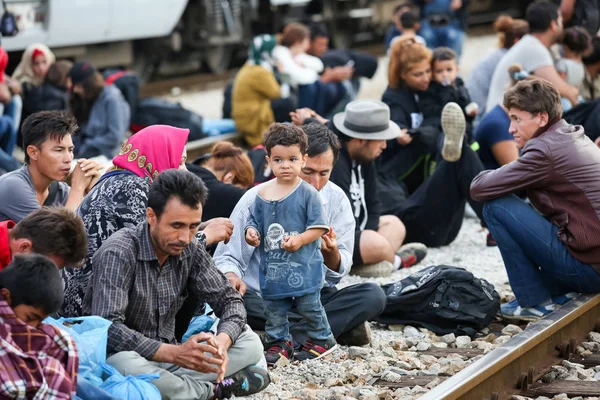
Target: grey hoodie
104,131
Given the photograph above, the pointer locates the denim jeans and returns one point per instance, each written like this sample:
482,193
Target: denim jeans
7,144
308,306
449,35
14,109
346,308
538,264
320,97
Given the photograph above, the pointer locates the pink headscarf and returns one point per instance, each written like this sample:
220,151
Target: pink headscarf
152,150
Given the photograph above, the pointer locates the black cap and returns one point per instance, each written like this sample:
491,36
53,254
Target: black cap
81,71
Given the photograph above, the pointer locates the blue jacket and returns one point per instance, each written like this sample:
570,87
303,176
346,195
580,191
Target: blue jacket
442,7
104,131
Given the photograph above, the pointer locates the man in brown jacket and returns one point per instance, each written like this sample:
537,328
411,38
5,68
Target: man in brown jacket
553,249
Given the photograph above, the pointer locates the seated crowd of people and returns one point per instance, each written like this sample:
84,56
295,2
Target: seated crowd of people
332,186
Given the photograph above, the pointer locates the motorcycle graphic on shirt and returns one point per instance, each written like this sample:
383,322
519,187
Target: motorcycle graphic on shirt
279,267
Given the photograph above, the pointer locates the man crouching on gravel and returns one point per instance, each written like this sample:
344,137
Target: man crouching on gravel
552,248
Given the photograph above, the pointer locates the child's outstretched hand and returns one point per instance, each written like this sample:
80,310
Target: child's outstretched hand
252,237
292,243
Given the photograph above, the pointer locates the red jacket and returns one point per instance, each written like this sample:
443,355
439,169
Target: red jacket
5,256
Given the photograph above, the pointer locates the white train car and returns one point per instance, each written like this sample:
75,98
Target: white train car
145,34
113,32
64,23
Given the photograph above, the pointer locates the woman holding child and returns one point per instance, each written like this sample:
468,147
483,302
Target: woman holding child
52,94
430,201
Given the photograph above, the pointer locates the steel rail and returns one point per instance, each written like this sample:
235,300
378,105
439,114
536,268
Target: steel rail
496,374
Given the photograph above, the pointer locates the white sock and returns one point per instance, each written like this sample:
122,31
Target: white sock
397,263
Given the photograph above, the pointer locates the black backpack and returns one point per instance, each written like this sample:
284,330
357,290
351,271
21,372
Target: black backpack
153,111
128,83
586,114
8,23
442,299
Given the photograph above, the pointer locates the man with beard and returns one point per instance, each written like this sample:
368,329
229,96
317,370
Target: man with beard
101,111
141,278
363,129
533,54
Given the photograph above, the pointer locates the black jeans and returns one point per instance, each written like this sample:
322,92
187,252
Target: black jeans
345,308
433,213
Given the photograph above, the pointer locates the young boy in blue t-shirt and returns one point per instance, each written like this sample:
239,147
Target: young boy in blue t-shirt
287,216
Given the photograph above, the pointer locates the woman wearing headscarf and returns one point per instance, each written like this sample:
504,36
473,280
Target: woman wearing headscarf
34,65
257,99
30,75
52,94
120,198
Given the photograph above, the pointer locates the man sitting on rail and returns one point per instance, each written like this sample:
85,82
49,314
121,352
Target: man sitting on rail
554,248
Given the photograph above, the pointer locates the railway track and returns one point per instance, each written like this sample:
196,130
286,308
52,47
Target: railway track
188,83
516,367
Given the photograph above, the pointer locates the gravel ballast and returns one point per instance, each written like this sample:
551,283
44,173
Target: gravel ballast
394,353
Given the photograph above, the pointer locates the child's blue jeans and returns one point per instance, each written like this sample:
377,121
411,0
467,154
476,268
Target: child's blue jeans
308,306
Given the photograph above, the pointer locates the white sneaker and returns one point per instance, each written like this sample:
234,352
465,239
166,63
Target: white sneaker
454,126
378,270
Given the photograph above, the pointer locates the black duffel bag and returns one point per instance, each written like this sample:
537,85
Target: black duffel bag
443,299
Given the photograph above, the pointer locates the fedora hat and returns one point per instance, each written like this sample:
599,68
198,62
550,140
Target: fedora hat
368,120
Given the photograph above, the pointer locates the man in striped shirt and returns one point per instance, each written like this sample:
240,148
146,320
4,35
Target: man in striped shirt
141,278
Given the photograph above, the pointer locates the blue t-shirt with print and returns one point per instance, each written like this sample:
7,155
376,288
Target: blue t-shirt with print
284,274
